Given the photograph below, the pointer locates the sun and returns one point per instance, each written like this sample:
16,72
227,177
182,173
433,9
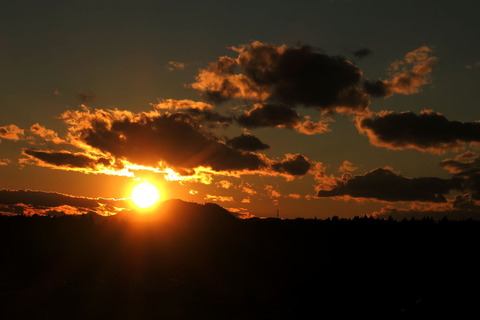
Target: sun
145,195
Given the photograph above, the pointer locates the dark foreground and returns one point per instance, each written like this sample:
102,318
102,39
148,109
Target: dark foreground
198,262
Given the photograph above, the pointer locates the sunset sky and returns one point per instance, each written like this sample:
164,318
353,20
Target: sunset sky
313,108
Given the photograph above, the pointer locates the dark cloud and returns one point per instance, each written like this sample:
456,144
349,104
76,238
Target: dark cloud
285,75
383,184
376,88
247,142
427,131
408,75
147,139
463,207
194,110
362,53
30,202
466,168
295,165
211,118
280,116
67,159
86,97
269,115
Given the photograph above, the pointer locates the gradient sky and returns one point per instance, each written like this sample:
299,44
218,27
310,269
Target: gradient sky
71,58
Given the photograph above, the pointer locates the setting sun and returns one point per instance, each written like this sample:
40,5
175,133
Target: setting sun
145,195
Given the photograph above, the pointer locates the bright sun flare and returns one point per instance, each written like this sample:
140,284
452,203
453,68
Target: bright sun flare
145,195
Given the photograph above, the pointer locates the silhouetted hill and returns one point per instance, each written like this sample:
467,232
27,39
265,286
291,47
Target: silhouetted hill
179,210
179,214
191,261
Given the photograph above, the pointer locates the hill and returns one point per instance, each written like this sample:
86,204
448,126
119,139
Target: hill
191,261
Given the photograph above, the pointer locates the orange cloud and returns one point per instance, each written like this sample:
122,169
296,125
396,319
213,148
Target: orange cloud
224,184
219,198
309,127
248,190
272,193
11,132
347,166
175,65
241,213
408,75
46,134
185,104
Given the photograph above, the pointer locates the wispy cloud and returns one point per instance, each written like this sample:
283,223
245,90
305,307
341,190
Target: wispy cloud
407,75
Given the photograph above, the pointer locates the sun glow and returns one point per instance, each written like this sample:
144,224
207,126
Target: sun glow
145,195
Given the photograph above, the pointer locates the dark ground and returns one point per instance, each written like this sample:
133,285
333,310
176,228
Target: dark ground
198,262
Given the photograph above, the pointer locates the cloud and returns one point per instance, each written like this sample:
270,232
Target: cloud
219,198
11,132
86,96
176,139
362,53
248,190
184,104
276,115
28,202
385,185
225,184
197,110
272,193
466,168
294,196
4,162
463,207
241,213
66,160
347,166
309,127
247,142
407,75
46,134
294,165
285,75
427,131
175,65
269,115
472,66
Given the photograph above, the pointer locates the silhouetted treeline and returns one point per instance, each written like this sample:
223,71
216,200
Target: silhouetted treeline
198,262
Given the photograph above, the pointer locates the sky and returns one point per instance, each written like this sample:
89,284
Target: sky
297,108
